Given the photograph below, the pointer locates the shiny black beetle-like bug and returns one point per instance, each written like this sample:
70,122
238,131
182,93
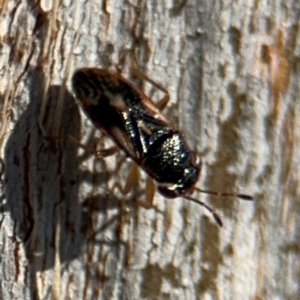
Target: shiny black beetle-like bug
124,113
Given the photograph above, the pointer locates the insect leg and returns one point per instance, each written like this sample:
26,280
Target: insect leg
162,103
107,152
150,191
132,181
100,153
131,178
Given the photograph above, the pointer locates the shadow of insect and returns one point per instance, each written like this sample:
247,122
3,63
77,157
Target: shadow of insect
42,181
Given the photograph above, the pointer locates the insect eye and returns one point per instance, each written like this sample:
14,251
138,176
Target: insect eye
191,175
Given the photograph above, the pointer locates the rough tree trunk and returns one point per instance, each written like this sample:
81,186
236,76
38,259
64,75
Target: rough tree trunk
232,70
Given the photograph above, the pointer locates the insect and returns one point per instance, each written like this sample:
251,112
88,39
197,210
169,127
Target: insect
123,112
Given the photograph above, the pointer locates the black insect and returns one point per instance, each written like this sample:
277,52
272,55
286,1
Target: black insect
123,112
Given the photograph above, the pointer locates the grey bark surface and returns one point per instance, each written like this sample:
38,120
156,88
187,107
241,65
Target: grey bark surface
232,71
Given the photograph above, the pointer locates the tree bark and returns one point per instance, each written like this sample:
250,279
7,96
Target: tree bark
232,71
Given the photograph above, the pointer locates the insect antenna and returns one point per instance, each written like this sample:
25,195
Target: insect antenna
210,209
240,196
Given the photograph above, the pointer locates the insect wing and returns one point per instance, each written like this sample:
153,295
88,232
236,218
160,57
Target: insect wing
119,109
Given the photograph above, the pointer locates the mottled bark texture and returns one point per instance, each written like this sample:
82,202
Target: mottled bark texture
232,70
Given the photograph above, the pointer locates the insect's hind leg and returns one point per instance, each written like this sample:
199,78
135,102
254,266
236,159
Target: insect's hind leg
99,153
162,103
